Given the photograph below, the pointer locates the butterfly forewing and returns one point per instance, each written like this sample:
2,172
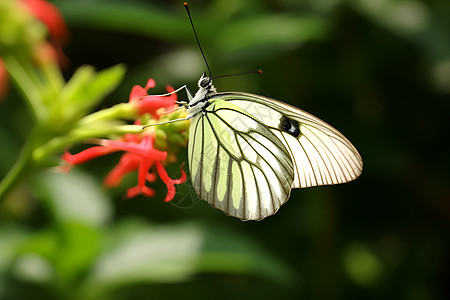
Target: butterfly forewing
238,164
321,155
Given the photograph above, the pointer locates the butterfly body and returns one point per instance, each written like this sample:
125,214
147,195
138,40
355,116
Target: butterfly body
246,152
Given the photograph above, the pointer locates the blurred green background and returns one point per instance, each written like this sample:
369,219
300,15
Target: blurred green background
377,70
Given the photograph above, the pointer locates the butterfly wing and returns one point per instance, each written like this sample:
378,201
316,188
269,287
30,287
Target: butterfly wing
237,164
321,155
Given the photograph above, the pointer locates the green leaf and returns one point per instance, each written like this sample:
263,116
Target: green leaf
135,253
361,265
146,19
104,83
11,240
406,17
61,253
263,35
33,267
78,246
84,91
226,251
152,254
33,258
75,196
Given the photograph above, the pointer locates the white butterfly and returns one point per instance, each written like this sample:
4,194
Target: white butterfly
246,152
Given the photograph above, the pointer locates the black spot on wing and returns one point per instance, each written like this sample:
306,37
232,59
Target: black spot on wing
289,126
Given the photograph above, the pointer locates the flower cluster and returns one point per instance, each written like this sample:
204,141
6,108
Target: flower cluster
140,153
32,33
29,35
52,18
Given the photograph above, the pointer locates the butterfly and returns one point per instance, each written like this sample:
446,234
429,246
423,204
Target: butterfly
246,152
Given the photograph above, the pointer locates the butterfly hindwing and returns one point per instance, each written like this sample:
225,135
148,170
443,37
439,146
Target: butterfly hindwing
321,155
237,164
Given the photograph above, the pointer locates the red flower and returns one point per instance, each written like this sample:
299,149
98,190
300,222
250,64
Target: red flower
4,81
49,14
52,18
151,104
139,153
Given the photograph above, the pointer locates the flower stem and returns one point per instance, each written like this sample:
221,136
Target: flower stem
118,111
19,169
27,82
53,77
60,143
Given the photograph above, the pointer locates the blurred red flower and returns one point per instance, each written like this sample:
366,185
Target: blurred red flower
48,14
140,153
4,80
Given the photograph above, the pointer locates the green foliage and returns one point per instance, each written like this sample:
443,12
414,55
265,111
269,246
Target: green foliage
377,70
84,91
18,32
80,254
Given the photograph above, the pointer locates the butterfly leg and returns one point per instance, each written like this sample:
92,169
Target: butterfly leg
174,110
167,122
188,93
173,92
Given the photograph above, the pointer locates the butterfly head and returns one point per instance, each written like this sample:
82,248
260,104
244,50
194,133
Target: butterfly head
200,99
205,83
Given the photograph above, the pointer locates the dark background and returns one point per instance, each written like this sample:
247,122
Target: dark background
379,71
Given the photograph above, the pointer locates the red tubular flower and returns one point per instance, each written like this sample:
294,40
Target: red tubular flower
4,80
151,104
86,155
140,154
52,18
168,181
49,14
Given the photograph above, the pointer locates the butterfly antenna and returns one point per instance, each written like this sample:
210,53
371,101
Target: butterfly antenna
258,71
196,38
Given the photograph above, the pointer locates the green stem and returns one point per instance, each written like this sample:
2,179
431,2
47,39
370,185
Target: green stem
26,81
60,143
19,169
54,80
118,111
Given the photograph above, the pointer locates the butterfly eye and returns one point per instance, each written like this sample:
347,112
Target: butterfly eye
204,82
